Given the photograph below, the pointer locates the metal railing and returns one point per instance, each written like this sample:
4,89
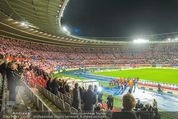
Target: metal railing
154,83
41,106
4,96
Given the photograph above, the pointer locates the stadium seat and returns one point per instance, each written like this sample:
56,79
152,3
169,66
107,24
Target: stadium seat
61,104
61,96
67,107
73,109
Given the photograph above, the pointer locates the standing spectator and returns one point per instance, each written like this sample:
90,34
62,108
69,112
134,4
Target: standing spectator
61,86
48,84
54,86
81,94
76,98
155,104
13,80
89,99
126,113
100,95
95,89
67,88
3,68
110,102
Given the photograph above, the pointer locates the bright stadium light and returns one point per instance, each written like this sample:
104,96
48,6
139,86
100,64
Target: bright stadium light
100,89
65,30
24,23
140,41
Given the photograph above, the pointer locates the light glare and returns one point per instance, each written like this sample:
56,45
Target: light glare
141,41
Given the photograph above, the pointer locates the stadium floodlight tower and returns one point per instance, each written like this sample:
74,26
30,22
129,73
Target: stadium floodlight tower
141,41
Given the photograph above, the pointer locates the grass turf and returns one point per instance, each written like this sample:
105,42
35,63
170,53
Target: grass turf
159,75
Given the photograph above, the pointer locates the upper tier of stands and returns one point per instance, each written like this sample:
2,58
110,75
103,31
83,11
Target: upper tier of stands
71,56
14,48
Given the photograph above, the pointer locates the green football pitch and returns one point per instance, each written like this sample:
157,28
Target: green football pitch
158,75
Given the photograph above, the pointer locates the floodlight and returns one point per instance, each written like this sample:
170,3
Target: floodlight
65,29
99,89
140,41
24,23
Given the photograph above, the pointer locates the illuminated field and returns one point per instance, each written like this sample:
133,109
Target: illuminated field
159,75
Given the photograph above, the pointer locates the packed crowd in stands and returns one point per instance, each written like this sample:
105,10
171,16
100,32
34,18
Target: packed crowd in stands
65,56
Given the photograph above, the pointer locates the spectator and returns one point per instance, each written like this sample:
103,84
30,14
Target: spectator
139,106
155,104
54,86
76,98
13,80
100,95
89,99
147,112
99,107
67,88
3,68
95,89
110,102
48,84
61,86
126,113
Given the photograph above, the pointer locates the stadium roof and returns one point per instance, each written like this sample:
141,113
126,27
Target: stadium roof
40,21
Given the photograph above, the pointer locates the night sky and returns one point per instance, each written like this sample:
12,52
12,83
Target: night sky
120,18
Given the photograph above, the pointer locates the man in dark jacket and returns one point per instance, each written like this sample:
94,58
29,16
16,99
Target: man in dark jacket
13,80
139,106
110,102
76,98
3,68
48,84
126,112
89,99
54,86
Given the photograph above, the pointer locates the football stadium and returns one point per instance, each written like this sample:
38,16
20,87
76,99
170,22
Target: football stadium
49,70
